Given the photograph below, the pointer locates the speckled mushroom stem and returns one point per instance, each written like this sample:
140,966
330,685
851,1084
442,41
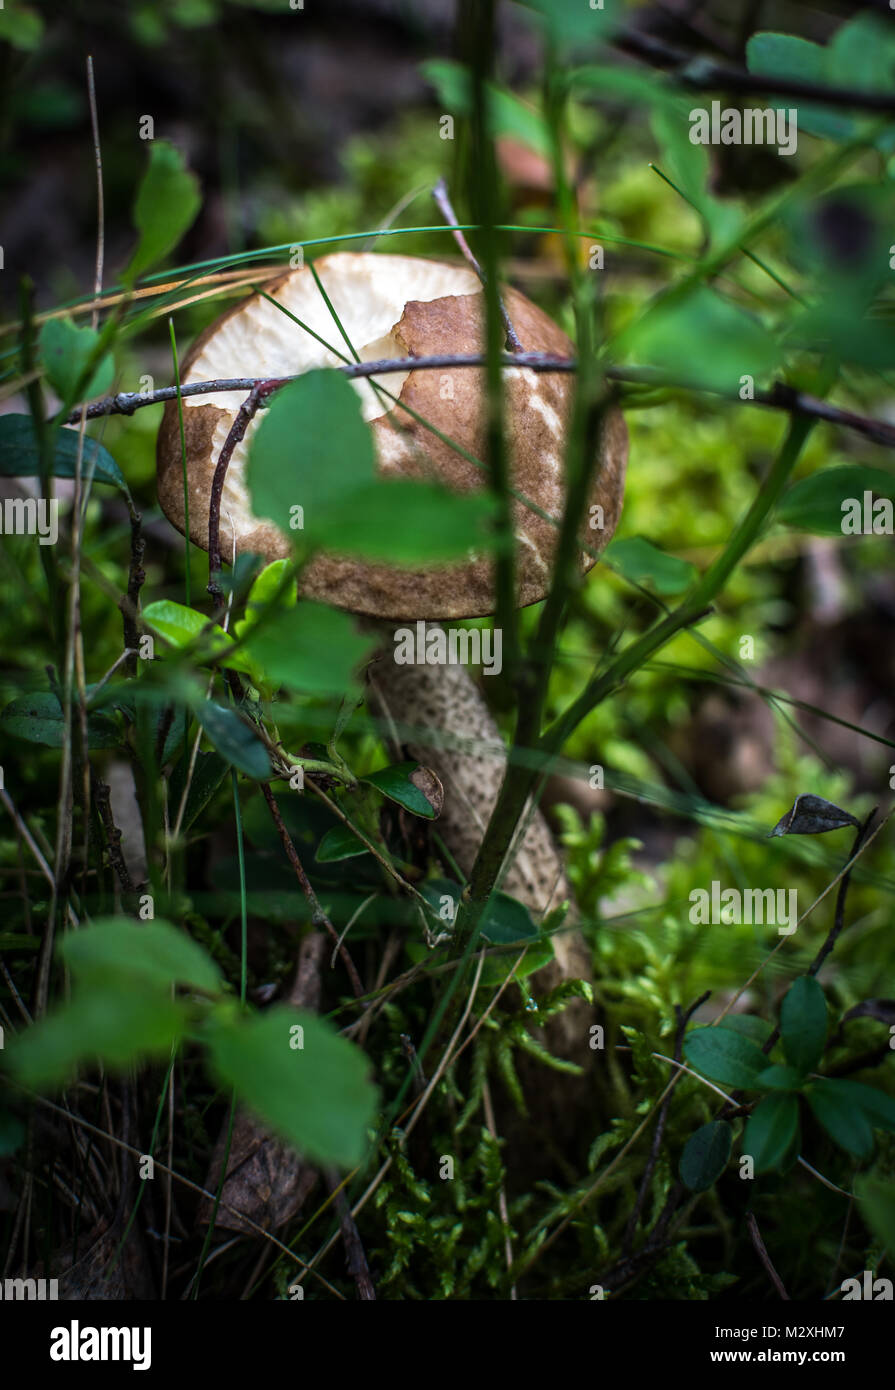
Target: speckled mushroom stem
442,718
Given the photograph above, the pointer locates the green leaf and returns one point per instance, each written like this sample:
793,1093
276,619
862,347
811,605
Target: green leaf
823,503
803,1023
309,647
20,454
783,55
312,449
705,1156
876,1199
878,1106
166,205
412,786
508,115
339,843
573,21
771,1131
407,523
724,1056
266,587
182,627
66,351
812,815
235,739
642,563
21,26
702,338
12,1133
317,1095
780,1079
114,1025
208,774
37,718
506,920
758,1029
861,55
841,1116
152,953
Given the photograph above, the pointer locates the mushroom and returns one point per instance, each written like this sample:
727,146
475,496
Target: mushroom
398,307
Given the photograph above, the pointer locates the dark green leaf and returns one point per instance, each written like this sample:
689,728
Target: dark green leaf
235,739
878,1106
834,498
339,843
12,1133
208,774
724,1056
414,787
758,1029
705,1156
317,1095
771,1131
841,1116
20,455
506,920
811,815
780,1079
166,205
876,1199
803,1023
38,718
152,953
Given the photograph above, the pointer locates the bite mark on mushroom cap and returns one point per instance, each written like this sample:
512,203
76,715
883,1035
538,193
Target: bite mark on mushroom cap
393,306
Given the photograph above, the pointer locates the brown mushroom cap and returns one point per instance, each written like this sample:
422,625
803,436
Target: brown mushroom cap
391,307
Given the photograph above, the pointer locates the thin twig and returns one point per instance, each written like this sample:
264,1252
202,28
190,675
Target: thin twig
102,797
682,1020
443,203
695,71
779,396
244,417
356,1258
318,916
765,1258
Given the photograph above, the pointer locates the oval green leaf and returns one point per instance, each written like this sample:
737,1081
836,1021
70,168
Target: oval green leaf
705,1155
725,1056
771,1131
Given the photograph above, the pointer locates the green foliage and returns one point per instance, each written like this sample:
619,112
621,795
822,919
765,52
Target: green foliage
816,504
20,454
166,205
282,1063
397,783
69,356
705,1156
748,283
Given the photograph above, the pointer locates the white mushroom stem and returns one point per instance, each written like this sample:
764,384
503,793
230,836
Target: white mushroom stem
446,706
